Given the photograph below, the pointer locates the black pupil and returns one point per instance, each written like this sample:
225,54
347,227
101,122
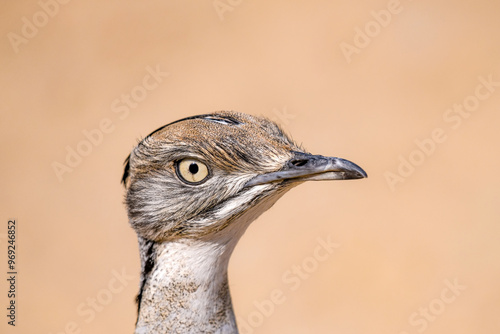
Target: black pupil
193,168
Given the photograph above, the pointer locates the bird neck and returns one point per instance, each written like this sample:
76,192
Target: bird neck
187,289
184,286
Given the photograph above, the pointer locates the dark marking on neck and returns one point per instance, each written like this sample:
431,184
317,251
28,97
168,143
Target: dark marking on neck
149,263
126,170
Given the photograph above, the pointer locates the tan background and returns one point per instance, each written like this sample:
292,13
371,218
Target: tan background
281,59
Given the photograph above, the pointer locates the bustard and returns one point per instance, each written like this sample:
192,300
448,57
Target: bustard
193,187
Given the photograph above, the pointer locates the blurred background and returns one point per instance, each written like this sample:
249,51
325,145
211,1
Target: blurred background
409,90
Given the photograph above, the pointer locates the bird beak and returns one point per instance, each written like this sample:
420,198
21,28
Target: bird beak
307,167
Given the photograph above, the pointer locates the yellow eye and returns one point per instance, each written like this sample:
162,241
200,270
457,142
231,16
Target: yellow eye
192,171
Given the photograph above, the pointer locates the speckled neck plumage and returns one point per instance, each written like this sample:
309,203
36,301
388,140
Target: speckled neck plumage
186,292
186,289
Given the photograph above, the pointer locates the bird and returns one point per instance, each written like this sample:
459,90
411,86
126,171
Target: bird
192,187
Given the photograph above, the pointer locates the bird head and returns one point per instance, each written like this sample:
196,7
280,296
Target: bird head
202,175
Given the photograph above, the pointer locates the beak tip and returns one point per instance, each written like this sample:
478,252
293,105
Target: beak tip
352,170
362,174
355,175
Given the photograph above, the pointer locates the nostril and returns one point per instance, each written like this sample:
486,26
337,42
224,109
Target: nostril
299,163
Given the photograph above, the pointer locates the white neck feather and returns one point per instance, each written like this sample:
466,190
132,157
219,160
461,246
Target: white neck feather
187,290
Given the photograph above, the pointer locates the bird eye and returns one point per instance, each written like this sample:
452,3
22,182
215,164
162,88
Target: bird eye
192,171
